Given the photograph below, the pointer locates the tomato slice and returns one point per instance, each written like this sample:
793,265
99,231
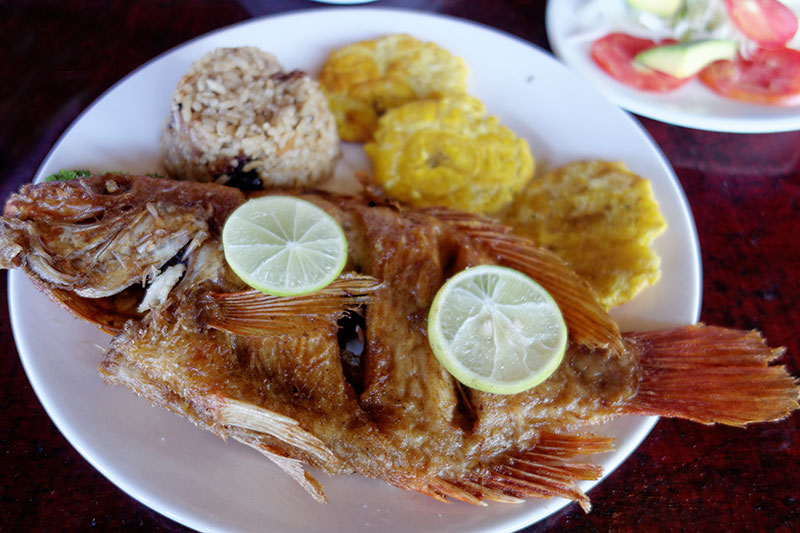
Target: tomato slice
769,76
768,22
614,53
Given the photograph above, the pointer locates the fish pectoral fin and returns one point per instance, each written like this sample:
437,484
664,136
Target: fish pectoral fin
293,467
232,412
255,313
543,471
588,322
710,375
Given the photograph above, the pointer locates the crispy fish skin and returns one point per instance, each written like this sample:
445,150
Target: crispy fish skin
270,372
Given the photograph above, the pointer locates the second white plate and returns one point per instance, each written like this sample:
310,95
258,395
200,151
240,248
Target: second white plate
691,106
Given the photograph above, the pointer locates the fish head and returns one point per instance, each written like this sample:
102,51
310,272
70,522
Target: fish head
98,236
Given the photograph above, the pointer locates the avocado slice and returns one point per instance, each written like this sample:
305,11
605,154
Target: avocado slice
683,60
662,8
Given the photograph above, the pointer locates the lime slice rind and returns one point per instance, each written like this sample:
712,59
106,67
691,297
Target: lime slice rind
494,329
284,246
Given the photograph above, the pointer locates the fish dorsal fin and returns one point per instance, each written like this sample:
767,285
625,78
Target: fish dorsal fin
589,324
252,312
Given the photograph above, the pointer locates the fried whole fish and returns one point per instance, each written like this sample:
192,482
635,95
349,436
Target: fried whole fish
142,258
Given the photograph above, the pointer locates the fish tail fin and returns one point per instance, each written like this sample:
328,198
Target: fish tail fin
543,471
588,322
711,375
254,313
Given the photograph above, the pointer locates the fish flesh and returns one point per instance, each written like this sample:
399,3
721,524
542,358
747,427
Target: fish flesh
343,380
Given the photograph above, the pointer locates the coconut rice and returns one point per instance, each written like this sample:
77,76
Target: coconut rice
238,118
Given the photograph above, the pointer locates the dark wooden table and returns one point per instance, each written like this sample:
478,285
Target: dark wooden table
56,57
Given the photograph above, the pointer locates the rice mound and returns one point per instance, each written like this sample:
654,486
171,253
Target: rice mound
238,118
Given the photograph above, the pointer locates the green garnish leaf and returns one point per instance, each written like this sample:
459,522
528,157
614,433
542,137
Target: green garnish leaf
68,174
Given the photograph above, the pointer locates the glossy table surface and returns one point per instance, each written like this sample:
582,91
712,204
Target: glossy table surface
744,191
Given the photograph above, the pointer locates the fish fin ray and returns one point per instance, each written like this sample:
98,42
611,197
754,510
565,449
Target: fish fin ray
226,418
293,467
543,471
254,313
588,322
737,383
446,489
488,493
232,412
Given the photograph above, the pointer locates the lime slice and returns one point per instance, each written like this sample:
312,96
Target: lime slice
283,245
496,330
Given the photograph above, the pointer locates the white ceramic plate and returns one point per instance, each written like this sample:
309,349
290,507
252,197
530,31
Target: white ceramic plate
193,477
692,106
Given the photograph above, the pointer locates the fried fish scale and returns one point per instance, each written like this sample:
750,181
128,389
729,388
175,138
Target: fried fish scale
269,371
449,153
365,79
601,218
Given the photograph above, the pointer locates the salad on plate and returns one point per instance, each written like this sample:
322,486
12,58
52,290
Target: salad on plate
745,50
